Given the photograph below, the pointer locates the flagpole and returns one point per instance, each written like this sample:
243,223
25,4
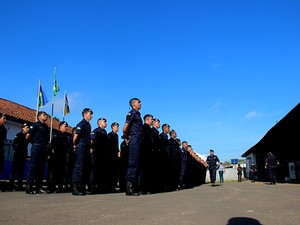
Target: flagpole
52,110
37,100
64,105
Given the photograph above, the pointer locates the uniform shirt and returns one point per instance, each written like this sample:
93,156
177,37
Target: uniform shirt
271,161
135,122
147,137
39,133
20,144
100,141
212,161
155,139
113,144
3,133
60,144
184,154
83,129
164,143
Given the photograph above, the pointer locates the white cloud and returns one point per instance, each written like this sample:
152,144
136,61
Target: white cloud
252,114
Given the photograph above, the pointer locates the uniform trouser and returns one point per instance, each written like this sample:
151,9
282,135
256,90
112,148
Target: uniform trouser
221,176
272,174
37,164
81,173
212,173
133,162
18,167
182,173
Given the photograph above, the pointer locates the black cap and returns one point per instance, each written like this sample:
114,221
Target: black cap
114,124
148,115
165,125
156,119
24,125
40,113
63,123
211,150
102,118
87,110
2,115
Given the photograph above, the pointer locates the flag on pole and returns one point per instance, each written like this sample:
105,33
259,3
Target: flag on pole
66,106
55,84
42,98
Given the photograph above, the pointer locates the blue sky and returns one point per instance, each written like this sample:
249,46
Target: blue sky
221,73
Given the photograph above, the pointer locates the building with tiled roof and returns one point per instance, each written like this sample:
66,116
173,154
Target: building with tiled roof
22,114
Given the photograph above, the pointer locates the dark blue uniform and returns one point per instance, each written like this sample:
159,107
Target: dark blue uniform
271,163
39,133
20,146
212,166
3,133
184,155
100,171
57,161
114,166
83,156
135,140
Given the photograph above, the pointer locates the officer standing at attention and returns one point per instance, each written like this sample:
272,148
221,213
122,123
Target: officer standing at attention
113,154
146,156
133,128
20,147
81,143
213,162
3,133
157,157
101,162
166,162
58,158
182,178
270,165
38,135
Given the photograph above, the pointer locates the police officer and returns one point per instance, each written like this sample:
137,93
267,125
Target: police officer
20,147
124,157
133,129
3,133
58,158
166,162
157,185
184,153
38,135
271,165
113,154
146,157
100,158
81,143
213,162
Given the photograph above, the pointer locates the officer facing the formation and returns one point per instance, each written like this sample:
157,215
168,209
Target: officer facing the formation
38,135
58,159
20,147
213,162
3,133
81,143
271,165
133,129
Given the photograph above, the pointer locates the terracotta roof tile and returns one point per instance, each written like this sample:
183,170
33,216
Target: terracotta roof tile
23,113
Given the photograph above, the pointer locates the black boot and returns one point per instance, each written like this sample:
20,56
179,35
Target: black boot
76,190
29,189
130,191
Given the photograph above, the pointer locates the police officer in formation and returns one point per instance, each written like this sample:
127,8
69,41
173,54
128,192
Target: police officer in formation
166,163
57,159
38,135
114,155
146,157
81,143
100,158
133,129
20,147
3,134
184,155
